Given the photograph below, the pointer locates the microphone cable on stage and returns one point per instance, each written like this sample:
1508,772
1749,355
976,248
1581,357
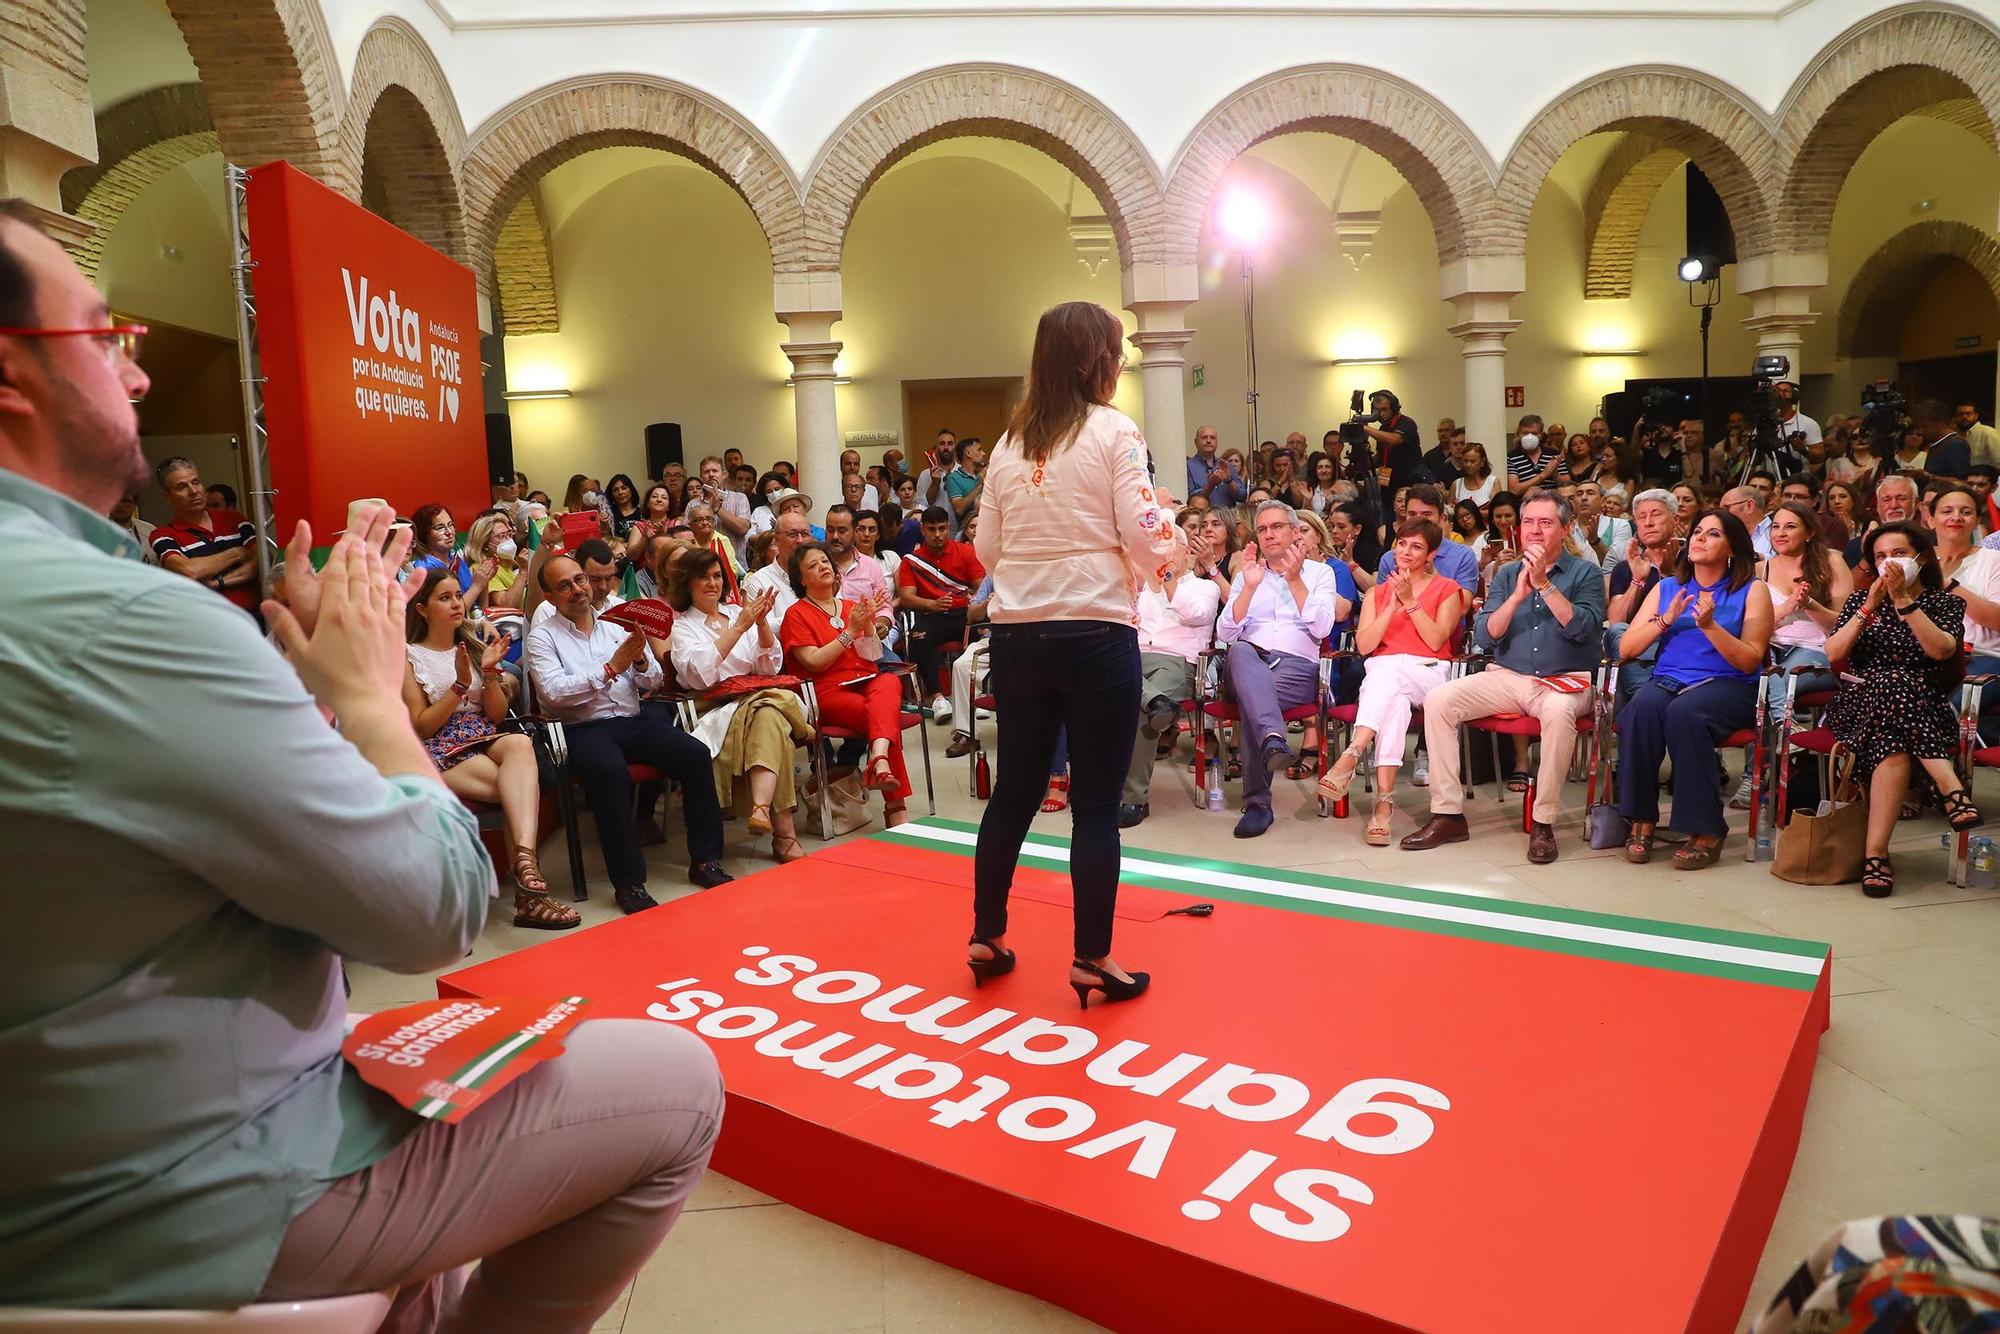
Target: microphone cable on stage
1192,910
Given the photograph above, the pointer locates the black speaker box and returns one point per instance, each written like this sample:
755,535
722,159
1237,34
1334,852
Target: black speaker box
499,446
663,446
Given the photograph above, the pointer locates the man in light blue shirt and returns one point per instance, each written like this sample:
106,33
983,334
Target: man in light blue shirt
1454,560
191,852
1280,609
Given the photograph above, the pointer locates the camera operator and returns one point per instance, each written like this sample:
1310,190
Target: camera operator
1661,463
1794,427
1947,454
1399,446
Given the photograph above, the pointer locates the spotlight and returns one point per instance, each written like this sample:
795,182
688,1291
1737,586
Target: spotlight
1241,220
1697,269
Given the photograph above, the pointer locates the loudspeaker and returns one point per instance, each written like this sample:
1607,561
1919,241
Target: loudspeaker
663,446
499,446
1708,231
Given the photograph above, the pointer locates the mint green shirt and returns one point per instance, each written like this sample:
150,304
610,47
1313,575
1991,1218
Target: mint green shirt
189,850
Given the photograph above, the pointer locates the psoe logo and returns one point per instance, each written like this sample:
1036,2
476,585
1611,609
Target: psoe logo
384,323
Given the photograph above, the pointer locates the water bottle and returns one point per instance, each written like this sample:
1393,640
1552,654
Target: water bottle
982,778
1767,826
1985,864
1215,786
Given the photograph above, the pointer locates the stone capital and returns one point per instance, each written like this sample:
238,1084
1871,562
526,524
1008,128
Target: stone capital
1161,347
1483,338
812,360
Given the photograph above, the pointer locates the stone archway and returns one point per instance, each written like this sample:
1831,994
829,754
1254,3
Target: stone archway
1871,312
1935,62
139,140
990,101
402,137
1616,209
523,276
1441,159
1702,120
272,83
525,140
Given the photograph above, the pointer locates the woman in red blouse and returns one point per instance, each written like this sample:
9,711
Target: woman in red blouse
824,637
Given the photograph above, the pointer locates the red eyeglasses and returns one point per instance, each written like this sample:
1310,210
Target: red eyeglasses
122,337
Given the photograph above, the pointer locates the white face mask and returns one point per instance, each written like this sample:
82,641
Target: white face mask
1530,440
1908,565
506,549
592,497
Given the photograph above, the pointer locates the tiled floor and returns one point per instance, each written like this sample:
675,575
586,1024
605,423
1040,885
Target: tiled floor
1904,1114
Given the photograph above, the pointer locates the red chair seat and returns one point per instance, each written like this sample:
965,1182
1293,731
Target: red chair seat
1814,699
1989,758
1818,740
1520,724
642,773
833,733
1741,737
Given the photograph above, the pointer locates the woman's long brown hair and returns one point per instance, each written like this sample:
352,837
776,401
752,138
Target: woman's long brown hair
1075,367
1814,561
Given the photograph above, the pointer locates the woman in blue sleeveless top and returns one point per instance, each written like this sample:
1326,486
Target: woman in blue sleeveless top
1712,620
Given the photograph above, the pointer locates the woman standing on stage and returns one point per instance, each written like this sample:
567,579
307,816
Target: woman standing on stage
1070,529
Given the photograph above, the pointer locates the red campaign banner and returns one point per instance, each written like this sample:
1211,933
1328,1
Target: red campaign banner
369,343
647,615
441,1059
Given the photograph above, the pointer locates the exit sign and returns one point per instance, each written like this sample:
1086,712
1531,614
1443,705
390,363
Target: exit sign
1517,396
1200,376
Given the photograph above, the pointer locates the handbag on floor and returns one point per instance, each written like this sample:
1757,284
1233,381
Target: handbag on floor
850,805
1606,827
1825,846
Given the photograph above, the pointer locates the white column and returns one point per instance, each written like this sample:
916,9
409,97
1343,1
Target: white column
809,305
1781,289
1162,344
1482,289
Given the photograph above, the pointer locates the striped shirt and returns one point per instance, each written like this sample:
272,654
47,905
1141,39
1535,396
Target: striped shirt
227,531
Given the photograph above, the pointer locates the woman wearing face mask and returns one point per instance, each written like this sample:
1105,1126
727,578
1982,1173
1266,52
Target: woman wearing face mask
492,539
1899,638
1712,620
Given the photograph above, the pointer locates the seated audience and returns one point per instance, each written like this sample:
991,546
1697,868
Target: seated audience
1176,625
827,640
1973,573
658,513
1405,633
1597,534
600,571
214,547
751,736
730,507
1540,625
1895,502
1477,482
491,539
1655,547
1900,640
861,577
1841,512
1808,584
593,677
967,670
763,502
455,705
1712,619
1354,543
1946,453
1468,522
620,506
868,530
1213,546
774,575
1456,563
935,582
1280,610
436,548
1747,504
704,535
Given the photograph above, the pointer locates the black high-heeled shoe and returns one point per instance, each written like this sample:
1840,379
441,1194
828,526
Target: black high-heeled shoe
1113,988
1960,813
1001,964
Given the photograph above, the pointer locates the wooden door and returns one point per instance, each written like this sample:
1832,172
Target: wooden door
972,407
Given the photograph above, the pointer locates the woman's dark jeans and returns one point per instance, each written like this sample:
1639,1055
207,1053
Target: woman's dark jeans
1048,676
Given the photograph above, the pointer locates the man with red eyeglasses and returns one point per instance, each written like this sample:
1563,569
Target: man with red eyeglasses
216,547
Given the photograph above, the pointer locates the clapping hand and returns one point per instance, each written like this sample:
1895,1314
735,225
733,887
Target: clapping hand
462,660
303,584
629,652
343,632
1704,609
1253,571
1676,607
496,650
1399,587
1891,581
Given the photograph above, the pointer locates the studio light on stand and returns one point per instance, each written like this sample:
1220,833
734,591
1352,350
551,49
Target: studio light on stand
1241,221
1703,276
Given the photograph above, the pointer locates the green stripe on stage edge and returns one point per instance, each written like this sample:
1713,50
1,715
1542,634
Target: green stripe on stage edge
1736,955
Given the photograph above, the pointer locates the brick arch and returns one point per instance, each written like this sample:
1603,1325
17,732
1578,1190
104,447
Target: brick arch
524,141
138,140
1707,122
1616,209
1440,158
983,101
403,138
523,275
273,85
1878,295
1905,62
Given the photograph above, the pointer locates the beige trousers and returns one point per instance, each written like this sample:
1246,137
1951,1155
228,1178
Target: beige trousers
560,1186
1497,690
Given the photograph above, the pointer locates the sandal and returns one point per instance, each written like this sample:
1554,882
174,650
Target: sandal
1058,796
778,853
1303,766
542,913
1878,877
1232,770
1639,849
881,774
1377,833
528,872
1692,856
895,815
1517,781
1960,813
1333,784
760,820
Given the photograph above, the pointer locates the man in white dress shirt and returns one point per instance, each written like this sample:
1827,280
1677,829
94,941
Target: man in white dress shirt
791,529
593,676
1176,625
1281,608
600,570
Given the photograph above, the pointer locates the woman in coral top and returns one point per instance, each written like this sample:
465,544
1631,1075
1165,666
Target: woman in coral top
827,638
1070,529
1405,633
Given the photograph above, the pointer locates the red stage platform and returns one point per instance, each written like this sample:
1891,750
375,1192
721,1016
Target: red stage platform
1344,1106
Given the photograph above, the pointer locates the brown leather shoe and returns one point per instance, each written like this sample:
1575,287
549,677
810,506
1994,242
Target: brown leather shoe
1438,831
960,747
1541,844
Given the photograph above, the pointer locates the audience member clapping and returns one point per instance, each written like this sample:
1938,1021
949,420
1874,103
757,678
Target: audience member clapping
1176,626
1973,573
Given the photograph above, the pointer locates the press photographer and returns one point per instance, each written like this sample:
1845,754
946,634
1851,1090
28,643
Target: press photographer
1398,444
